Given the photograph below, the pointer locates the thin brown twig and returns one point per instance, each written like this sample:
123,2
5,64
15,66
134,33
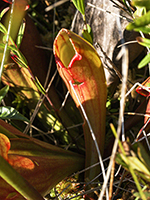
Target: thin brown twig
122,8
120,182
111,180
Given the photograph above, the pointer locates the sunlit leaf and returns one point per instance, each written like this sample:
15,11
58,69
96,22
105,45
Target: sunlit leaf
136,164
144,61
20,61
79,4
144,29
141,3
3,12
39,86
140,11
139,22
7,112
3,92
87,33
2,28
20,34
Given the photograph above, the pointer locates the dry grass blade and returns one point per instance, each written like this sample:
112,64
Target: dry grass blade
121,114
55,5
111,181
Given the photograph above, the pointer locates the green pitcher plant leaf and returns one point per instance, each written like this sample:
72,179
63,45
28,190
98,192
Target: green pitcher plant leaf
37,162
78,62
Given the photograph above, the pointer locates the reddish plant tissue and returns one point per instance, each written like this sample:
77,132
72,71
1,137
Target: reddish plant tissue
145,91
7,1
142,90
